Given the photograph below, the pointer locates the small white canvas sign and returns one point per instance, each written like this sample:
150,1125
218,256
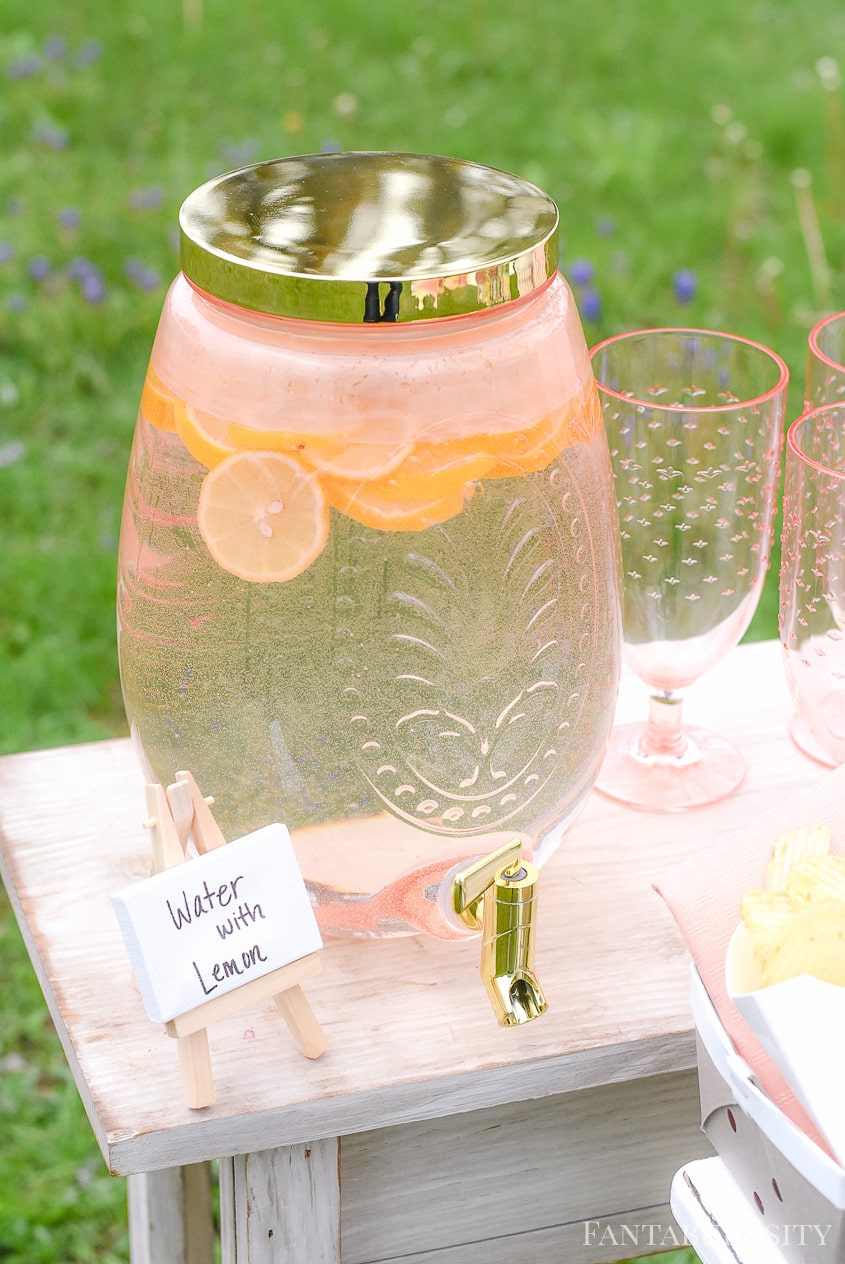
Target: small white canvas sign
210,925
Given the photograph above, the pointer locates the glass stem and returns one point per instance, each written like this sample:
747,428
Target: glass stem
664,733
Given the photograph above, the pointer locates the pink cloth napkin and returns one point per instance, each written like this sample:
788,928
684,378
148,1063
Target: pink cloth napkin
704,895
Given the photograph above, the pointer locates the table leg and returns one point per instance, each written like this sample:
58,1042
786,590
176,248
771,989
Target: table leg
282,1206
171,1219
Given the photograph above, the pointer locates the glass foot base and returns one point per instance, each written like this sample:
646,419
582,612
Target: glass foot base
708,769
803,738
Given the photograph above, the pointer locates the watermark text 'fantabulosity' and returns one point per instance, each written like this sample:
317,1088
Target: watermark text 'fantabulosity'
654,1235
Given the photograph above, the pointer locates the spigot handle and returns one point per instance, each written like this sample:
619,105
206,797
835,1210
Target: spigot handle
469,885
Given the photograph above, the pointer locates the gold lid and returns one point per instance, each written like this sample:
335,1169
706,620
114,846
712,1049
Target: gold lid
368,237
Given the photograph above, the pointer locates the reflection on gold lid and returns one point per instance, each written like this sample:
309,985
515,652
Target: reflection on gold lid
368,237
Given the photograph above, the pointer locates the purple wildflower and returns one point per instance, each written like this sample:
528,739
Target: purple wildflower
606,227
590,304
89,278
24,67
39,267
55,47
89,52
581,272
330,146
685,284
145,199
80,267
93,287
51,136
144,277
7,252
16,302
69,217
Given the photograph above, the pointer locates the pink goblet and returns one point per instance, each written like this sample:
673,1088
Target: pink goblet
812,581
825,382
695,421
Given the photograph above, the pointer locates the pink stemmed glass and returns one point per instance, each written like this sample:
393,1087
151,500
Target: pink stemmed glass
825,382
812,581
695,421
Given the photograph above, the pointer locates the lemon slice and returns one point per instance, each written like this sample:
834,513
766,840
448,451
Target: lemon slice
299,446
157,403
204,435
530,448
263,516
365,504
433,471
350,459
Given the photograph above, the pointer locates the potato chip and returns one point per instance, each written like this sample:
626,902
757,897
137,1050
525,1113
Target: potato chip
791,849
812,941
818,878
764,914
797,925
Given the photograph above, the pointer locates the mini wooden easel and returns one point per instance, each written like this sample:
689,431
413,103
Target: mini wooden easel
178,816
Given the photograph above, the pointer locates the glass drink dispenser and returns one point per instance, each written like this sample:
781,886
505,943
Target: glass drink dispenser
368,579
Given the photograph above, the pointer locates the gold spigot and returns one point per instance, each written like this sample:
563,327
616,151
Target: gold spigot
497,895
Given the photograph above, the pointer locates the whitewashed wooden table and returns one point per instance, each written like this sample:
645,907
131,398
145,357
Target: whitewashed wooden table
426,1132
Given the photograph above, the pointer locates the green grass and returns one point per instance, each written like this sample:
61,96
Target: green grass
57,1202
669,144
668,134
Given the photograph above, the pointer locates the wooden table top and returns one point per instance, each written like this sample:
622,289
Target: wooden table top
411,1033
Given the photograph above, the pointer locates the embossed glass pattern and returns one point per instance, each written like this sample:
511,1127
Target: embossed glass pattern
694,419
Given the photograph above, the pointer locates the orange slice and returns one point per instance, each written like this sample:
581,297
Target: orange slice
205,436
263,516
365,504
157,403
